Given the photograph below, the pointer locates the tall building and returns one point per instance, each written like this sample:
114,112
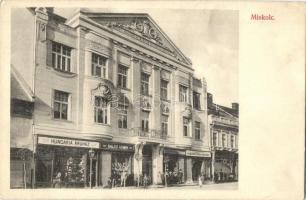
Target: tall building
224,129
99,96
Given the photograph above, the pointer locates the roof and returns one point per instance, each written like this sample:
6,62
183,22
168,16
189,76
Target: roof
216,109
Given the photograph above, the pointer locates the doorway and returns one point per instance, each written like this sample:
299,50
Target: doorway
147,162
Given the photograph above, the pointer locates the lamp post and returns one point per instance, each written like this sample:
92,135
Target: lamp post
91,156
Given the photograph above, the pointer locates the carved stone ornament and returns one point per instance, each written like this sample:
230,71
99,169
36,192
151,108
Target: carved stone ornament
164,108
102,90
145,104
187,112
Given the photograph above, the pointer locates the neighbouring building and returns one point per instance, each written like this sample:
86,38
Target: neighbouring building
103,95
224,129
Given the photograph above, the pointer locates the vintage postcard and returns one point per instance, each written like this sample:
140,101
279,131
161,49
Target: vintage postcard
152,100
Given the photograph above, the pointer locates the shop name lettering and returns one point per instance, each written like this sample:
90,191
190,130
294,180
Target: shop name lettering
116,146
70,142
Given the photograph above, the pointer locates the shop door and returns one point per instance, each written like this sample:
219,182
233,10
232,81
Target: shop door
196,170
147,163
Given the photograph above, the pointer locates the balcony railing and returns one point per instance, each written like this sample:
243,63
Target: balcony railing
154,134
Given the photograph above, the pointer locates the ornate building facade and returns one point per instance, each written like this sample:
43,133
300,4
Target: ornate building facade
110,96
224,129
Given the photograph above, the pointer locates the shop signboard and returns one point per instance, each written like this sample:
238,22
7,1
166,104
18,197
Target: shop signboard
174,152
118,147
198,153
68,142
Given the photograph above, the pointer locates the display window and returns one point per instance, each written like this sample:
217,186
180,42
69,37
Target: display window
122,168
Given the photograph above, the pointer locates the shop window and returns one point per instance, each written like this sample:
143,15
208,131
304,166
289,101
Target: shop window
61,105
164,125
196,101
163,89
186,126
122,167
98,65
101,110
183,93
122,115
122,76
61,57
145,122
197,131
145,83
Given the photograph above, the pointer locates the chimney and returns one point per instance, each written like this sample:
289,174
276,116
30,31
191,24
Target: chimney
235,106
50,9
210,99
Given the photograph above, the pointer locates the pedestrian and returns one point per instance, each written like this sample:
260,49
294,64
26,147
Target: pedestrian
145,181
57,180
203,178
200,181
180,176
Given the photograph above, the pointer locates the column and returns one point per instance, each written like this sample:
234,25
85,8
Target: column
189,170
157,156
135,78
213,165
181,163
106,166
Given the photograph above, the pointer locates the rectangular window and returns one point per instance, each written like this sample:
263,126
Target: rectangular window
164,125
186,126
61,57
101,110
232,141
145,83
215,139
197,130
223,140
122,115
196,101
145,122
61,105
164,89
98,65
183,93
122,76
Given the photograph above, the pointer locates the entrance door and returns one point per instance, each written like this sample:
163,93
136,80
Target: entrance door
196,169
147,163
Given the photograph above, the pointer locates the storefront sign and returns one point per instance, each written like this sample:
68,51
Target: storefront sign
173,151
68,142
198,153
118,147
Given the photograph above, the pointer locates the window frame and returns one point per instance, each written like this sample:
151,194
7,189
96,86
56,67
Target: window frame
186,125
197,130
183,97
61,103
123,112
145,84
164,89
215,139
105,109
96,64
196,100
121,76
223,140
60,53
145,122
164,125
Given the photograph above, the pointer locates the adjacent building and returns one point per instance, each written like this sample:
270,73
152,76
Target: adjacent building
99,96
224,128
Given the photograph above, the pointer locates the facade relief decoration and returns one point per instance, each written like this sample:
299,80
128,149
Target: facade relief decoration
106,90
187,112
164,108
98,47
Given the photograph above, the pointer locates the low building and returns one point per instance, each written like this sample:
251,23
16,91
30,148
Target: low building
113,99
224,129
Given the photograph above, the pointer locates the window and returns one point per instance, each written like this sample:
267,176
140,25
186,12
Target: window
122,76
196,101
232,141
186,126
145,83
223,140
61,104
122,115
215,139
197,130
61,57
101,110
164,89
183,94
98,65
145,122
164,125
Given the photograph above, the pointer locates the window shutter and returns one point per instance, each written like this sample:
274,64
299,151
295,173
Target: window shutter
49,53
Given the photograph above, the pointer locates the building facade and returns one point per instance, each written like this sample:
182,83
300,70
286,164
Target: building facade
111,98
224,129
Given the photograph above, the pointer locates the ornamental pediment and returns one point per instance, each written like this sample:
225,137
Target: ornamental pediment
142,28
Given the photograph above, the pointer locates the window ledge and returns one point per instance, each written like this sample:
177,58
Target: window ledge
166,100
62,120
99,124
62,73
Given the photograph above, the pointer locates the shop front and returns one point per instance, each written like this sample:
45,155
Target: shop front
226,166
63,162
174,164
199,164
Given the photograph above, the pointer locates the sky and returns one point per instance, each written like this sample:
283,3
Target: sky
208,37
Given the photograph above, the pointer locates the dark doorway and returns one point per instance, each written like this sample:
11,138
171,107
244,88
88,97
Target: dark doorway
147,162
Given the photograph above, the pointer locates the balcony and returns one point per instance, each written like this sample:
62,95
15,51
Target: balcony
151,134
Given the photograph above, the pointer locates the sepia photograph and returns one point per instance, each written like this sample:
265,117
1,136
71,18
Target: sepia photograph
106,98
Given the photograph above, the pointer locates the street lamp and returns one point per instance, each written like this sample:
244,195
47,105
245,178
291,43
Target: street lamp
91,156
